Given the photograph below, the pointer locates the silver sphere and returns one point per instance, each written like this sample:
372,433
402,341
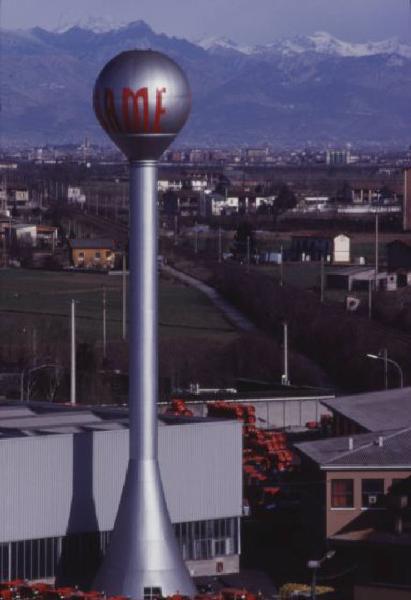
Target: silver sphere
142,99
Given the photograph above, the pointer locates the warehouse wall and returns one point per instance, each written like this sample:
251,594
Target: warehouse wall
71,483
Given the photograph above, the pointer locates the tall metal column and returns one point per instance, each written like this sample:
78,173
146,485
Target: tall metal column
124,298
73,353
142,99
143,552
143,386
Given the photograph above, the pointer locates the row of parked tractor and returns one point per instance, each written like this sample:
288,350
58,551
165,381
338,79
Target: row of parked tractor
19,589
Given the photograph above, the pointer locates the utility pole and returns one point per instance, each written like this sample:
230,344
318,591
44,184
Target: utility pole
285,378
322,278
370,299
220,246
196,240
104,323
384,353
73,354
34,345
175,229
248,254
376,250
124,299
281,266
22,387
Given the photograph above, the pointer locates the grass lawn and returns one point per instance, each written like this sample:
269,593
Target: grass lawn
30,298
300,275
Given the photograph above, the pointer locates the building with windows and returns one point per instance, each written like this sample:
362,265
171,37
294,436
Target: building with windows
358,473
338,157
92,254
356,485
354,489
75,196
330,247
63,471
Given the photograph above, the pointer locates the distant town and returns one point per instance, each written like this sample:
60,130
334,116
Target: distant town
285,336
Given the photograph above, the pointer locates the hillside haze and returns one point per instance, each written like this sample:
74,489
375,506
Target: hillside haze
316,88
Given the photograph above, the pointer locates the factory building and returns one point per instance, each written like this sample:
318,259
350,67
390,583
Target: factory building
63,471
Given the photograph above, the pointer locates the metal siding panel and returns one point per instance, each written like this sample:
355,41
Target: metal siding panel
110,464
292,413
309,411
200,464
215,451
277,414
36,490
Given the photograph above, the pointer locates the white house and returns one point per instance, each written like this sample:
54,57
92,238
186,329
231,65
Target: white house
341,249
75,195
221,205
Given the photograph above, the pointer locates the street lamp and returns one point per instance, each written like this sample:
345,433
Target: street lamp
383,355
315,565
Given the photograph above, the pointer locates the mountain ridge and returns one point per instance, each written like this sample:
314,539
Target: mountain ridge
315,88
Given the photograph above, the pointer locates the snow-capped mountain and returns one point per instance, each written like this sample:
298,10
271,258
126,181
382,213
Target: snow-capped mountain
320,42
223,43
316,88
96,25
324,43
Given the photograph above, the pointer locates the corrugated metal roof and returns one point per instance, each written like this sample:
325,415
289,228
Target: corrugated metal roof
377,449
92,244
48,420
376,411
7,412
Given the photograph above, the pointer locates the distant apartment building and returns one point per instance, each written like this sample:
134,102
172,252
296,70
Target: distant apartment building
184,203
196,184
256,155
338,157
219,205
76,196
165,185
18,198
3,201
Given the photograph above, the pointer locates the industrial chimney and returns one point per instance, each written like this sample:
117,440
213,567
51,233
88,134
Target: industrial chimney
142,99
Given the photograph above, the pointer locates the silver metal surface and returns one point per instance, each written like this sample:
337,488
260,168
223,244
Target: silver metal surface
143,551
73,374
142,99
200,467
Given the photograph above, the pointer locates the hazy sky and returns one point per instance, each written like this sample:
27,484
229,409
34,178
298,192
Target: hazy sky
247,21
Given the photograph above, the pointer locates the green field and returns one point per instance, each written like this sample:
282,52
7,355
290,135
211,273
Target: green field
38,299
